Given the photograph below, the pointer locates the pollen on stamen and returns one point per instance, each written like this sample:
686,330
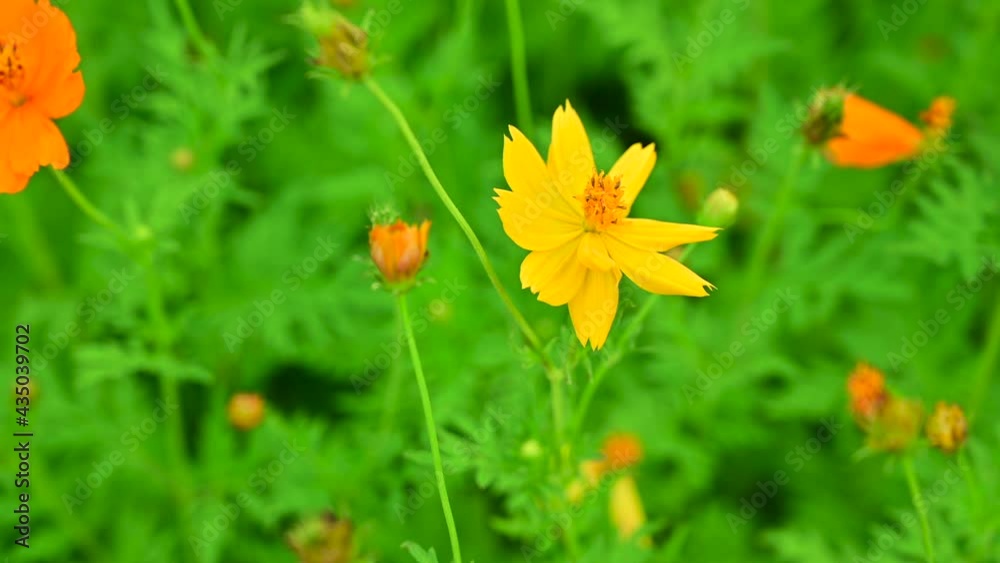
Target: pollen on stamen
602,200
11,69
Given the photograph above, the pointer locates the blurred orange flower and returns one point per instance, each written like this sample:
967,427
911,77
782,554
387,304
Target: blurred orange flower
871,136
399,250
38,83
938,116
947,427
866,387
246,410
622,450
573,218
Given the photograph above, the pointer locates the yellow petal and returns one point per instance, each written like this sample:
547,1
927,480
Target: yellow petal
593,254
626,508
527,174
536,222
571,160
594,306
555,275
660,236
654,272
634,167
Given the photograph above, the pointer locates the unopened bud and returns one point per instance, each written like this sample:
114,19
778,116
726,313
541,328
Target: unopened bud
182,159
531,449
947,427
897,426
343,46
246,410
719,209
826,113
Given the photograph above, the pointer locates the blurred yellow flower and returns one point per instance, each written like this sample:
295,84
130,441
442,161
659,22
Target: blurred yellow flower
574,220
947,427
246,410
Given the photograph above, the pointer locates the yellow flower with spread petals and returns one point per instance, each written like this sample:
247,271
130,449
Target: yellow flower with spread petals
574,220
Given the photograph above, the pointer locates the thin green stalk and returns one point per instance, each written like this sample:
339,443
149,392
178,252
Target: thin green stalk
987,363
32,243
518,66
765,243
425,398
194,31
477,246
81,201
919,505
602,371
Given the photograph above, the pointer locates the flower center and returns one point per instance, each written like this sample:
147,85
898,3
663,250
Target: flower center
602,201
11,72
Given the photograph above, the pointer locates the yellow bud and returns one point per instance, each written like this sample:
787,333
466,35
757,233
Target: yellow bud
343,46
897,426
720,209
947,427
246,410
627,512
531,449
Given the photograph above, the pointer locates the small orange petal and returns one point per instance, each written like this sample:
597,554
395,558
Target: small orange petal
872,136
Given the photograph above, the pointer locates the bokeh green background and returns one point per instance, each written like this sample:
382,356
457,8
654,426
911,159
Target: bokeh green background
327,358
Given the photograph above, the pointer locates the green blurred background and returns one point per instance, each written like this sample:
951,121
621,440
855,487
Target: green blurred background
245,179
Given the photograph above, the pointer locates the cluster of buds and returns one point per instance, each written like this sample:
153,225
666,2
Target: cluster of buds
343,46
893,423
620,453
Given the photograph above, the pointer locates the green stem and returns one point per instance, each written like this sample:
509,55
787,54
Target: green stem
919,505
194,31
765,243
627,335
425,398
987,363
518,66
81,201
477,246
33,244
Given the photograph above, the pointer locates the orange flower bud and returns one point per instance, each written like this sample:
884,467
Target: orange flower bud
343,46
938,116
947,427
399,250
323,539
622,450
866,387
246,410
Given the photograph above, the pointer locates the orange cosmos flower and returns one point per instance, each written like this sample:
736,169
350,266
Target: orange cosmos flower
399,250
573,218
38,83
871,136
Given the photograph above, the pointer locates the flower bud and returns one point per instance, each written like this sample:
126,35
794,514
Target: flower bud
399,250
622,450
531,449
719,209
897,426
947,427
343,46
246,410
323,539
866,388
826,113
938,116
627,512
182,159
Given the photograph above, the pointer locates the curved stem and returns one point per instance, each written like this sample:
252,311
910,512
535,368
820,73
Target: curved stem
81,201
425,399
987,363
477,246
762,249
194,31
602,371
518,66
919,505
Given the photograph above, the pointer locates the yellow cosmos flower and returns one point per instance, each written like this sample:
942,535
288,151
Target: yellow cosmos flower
574,220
